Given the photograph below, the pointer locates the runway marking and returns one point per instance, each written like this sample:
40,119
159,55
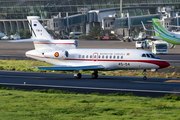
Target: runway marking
92,88
21,76
147,82
178,81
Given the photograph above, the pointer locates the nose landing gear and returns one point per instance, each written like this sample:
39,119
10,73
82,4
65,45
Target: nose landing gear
144,73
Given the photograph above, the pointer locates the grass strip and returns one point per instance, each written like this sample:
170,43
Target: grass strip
62,105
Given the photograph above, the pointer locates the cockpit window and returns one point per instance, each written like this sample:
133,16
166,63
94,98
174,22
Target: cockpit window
155,56
143,55
147,55
152,55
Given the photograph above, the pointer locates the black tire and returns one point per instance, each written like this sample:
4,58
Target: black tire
144,78
94,75
78,76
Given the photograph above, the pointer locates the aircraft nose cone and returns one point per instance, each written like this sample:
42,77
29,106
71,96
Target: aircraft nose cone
163,64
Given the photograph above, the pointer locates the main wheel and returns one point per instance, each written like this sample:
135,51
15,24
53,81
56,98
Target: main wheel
94,75
78,76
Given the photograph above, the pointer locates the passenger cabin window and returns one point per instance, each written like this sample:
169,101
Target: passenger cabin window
86,56
106,57
143,55
90,56
79,56
117,57
103,56
83,56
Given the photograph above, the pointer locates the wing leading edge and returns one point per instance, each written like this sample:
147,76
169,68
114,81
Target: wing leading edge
70,68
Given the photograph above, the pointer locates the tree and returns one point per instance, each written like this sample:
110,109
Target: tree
24,34
96,32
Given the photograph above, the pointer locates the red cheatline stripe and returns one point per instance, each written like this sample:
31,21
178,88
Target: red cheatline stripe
160,63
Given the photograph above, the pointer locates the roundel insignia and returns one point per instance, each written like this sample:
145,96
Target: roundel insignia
56,54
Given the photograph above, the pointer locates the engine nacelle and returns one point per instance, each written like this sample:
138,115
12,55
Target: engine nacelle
56,54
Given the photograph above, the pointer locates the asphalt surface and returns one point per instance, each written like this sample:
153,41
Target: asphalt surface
153,87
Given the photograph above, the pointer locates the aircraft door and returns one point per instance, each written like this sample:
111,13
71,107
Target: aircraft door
95,57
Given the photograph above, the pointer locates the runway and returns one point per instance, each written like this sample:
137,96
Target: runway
153,87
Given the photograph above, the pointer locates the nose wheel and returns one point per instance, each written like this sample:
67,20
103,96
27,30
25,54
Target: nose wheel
144,73
144,78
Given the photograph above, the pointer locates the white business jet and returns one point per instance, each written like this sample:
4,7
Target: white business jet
64,55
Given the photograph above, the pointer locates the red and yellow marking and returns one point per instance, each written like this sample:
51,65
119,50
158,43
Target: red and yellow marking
127,53
56,54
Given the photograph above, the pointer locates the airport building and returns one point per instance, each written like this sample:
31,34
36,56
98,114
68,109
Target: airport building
63,16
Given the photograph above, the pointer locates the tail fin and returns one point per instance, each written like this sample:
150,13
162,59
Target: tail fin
159,28
37,30
42,39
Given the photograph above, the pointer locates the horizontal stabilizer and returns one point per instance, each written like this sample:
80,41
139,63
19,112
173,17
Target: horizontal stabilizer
145,27
70,68
155,38
28,40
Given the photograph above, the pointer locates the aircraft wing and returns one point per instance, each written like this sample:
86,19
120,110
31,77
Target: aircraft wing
71,68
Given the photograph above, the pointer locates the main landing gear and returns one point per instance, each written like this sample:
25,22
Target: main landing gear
144,73
94,75
78,75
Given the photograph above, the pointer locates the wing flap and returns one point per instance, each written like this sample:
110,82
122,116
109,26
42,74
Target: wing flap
70,68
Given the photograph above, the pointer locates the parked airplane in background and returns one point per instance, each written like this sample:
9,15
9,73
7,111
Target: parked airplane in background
2,34
163,33
64,55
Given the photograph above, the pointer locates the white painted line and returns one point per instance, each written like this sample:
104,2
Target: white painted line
93,88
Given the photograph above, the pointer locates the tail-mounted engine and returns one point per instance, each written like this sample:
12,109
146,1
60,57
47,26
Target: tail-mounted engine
56,54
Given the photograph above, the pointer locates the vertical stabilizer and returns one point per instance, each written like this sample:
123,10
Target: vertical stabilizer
37,30
159,29
163,33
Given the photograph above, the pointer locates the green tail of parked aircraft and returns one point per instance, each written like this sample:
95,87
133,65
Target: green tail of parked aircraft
162,32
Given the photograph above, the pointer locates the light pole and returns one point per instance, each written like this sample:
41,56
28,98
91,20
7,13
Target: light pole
120,8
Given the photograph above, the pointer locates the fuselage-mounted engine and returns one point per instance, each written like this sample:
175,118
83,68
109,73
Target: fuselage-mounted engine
62,54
